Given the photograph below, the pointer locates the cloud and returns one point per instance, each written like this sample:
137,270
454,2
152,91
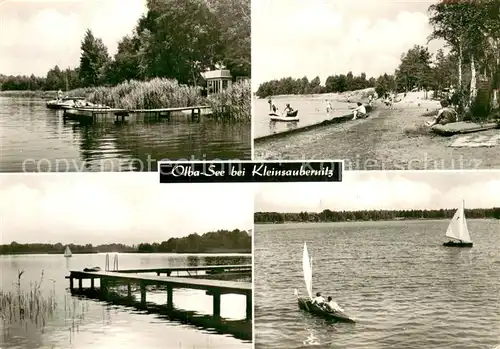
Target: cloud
383,190
128,208
37,35
319,38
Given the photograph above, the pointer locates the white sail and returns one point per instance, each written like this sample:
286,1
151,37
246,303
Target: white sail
307,269
67,252
457,229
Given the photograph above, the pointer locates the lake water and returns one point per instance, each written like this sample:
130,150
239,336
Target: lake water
35,138
312,110
404,288
85,323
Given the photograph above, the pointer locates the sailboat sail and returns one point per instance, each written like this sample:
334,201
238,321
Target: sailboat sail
457,229
67,252
307,269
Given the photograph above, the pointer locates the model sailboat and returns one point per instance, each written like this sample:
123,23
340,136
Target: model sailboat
457,230
306,303
67,252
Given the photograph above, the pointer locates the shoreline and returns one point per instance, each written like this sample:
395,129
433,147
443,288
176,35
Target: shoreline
371,220
215,253
391,140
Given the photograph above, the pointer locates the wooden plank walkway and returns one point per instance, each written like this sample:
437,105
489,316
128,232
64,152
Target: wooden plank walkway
162,110
209,268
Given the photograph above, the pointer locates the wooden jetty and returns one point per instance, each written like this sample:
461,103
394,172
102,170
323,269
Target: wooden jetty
167,112
93,112
215,288
209,269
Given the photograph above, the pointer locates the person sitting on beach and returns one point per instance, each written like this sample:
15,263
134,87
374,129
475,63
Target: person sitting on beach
359,111
319,300
328,106
333,305
370,99
444,116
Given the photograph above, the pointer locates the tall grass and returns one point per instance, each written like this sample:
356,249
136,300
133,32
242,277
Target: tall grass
26,308
233,103
152,94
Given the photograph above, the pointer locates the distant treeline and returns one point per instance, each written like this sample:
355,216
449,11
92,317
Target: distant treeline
235,241
334,83
174,39
374,215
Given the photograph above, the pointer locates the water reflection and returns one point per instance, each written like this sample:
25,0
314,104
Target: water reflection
31,131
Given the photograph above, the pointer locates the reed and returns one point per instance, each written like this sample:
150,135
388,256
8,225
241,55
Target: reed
155,93
27,307
233,103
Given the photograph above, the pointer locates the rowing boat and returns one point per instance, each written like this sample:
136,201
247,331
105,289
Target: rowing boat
290,116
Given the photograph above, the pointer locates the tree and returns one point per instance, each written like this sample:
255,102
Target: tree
414,69
94,60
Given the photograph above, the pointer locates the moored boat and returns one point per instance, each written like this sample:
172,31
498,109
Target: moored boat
306,303
290,116
66,102
457,230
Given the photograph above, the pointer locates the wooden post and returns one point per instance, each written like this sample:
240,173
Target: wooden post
192,113
92,283
129,290
71,283
80,284
169,272
157,273
104,286
170,297
249,307
143,293
216,302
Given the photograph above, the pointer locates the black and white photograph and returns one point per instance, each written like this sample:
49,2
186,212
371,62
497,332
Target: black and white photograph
120,261
407,259
117,85
383,85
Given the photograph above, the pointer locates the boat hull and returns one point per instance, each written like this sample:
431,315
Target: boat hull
276,117
307,305
457,244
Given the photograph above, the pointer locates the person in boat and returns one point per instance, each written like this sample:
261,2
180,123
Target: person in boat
288,109
359,111
59,95
319,300
333,305
444,116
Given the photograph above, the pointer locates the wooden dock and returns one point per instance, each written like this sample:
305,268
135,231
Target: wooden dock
167,112
93,113
209,269
215,288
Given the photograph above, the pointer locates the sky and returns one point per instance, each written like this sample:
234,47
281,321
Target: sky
116,207
325,37
35,35
374,190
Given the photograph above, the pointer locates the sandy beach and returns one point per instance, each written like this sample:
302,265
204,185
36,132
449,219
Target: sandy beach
381,142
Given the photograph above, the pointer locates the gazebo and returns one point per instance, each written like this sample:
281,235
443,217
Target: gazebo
217,80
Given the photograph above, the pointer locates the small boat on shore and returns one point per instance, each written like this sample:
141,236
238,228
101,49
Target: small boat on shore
457,230
290,116
306,303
